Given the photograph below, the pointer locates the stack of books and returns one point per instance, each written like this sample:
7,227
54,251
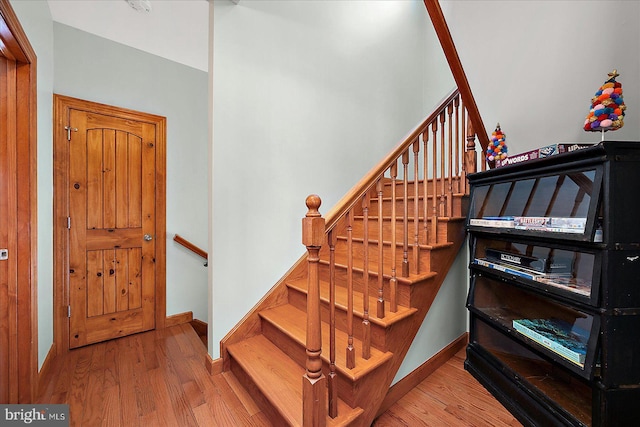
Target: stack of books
561,337
541,152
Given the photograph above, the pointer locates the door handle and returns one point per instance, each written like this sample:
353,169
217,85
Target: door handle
148,237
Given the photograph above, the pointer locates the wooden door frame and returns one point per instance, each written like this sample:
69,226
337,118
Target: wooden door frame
21,125
61,106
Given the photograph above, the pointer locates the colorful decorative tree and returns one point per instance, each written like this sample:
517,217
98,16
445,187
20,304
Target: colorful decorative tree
497,149
607,107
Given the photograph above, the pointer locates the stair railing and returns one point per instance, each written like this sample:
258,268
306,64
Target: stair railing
435,161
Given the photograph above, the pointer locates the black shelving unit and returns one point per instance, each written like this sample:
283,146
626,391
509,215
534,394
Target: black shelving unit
554,296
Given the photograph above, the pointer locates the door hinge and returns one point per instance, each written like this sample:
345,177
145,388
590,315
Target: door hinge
69,129
69,311
69,222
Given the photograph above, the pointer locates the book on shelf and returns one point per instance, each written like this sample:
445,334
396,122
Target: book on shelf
552,224
519,270
558,280
597,237
553,264
572,284
510,269
535,223
559,336
493,221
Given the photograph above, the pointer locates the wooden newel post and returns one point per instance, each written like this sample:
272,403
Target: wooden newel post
314,387
471,161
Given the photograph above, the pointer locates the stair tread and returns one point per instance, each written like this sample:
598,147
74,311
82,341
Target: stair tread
279,378
287,318
341,301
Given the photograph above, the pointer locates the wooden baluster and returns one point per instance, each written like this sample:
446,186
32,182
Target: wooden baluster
450,170
425,184
405,221
314,382
456,104
393,283
463,177
416,207
380,307
351,354
442,204
434,196
332,381
366,327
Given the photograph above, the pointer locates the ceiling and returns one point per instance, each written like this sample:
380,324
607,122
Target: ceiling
174,29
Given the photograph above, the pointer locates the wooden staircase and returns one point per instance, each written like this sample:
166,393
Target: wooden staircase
323,346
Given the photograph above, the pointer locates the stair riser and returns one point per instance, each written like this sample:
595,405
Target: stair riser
348,391
386,189
256,394
403,297
387,206
396,333
341,253
378,333
358,230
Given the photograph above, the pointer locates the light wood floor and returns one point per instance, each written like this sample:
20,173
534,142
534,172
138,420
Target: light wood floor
158,378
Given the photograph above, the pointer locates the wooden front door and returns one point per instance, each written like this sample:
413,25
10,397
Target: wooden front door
112,193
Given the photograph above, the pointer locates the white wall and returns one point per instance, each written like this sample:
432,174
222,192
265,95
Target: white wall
308,96
446,319
38,26
533,66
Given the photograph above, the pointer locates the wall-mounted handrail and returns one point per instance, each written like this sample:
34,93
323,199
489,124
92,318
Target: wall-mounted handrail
193,248
459,76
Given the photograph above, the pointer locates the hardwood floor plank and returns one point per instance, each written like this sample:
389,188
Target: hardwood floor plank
151,419
470,402
111,364
246,400
455,397
223,415
159,378
238,403
203,415
161,394
193,393
111,407
260,420
399,416
92,414
65,372
149,351
170,362
78,385
126,363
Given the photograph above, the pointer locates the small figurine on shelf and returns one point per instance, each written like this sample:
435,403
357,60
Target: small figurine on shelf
607,107
497,149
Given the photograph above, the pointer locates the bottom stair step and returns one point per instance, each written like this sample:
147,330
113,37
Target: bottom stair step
278,379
